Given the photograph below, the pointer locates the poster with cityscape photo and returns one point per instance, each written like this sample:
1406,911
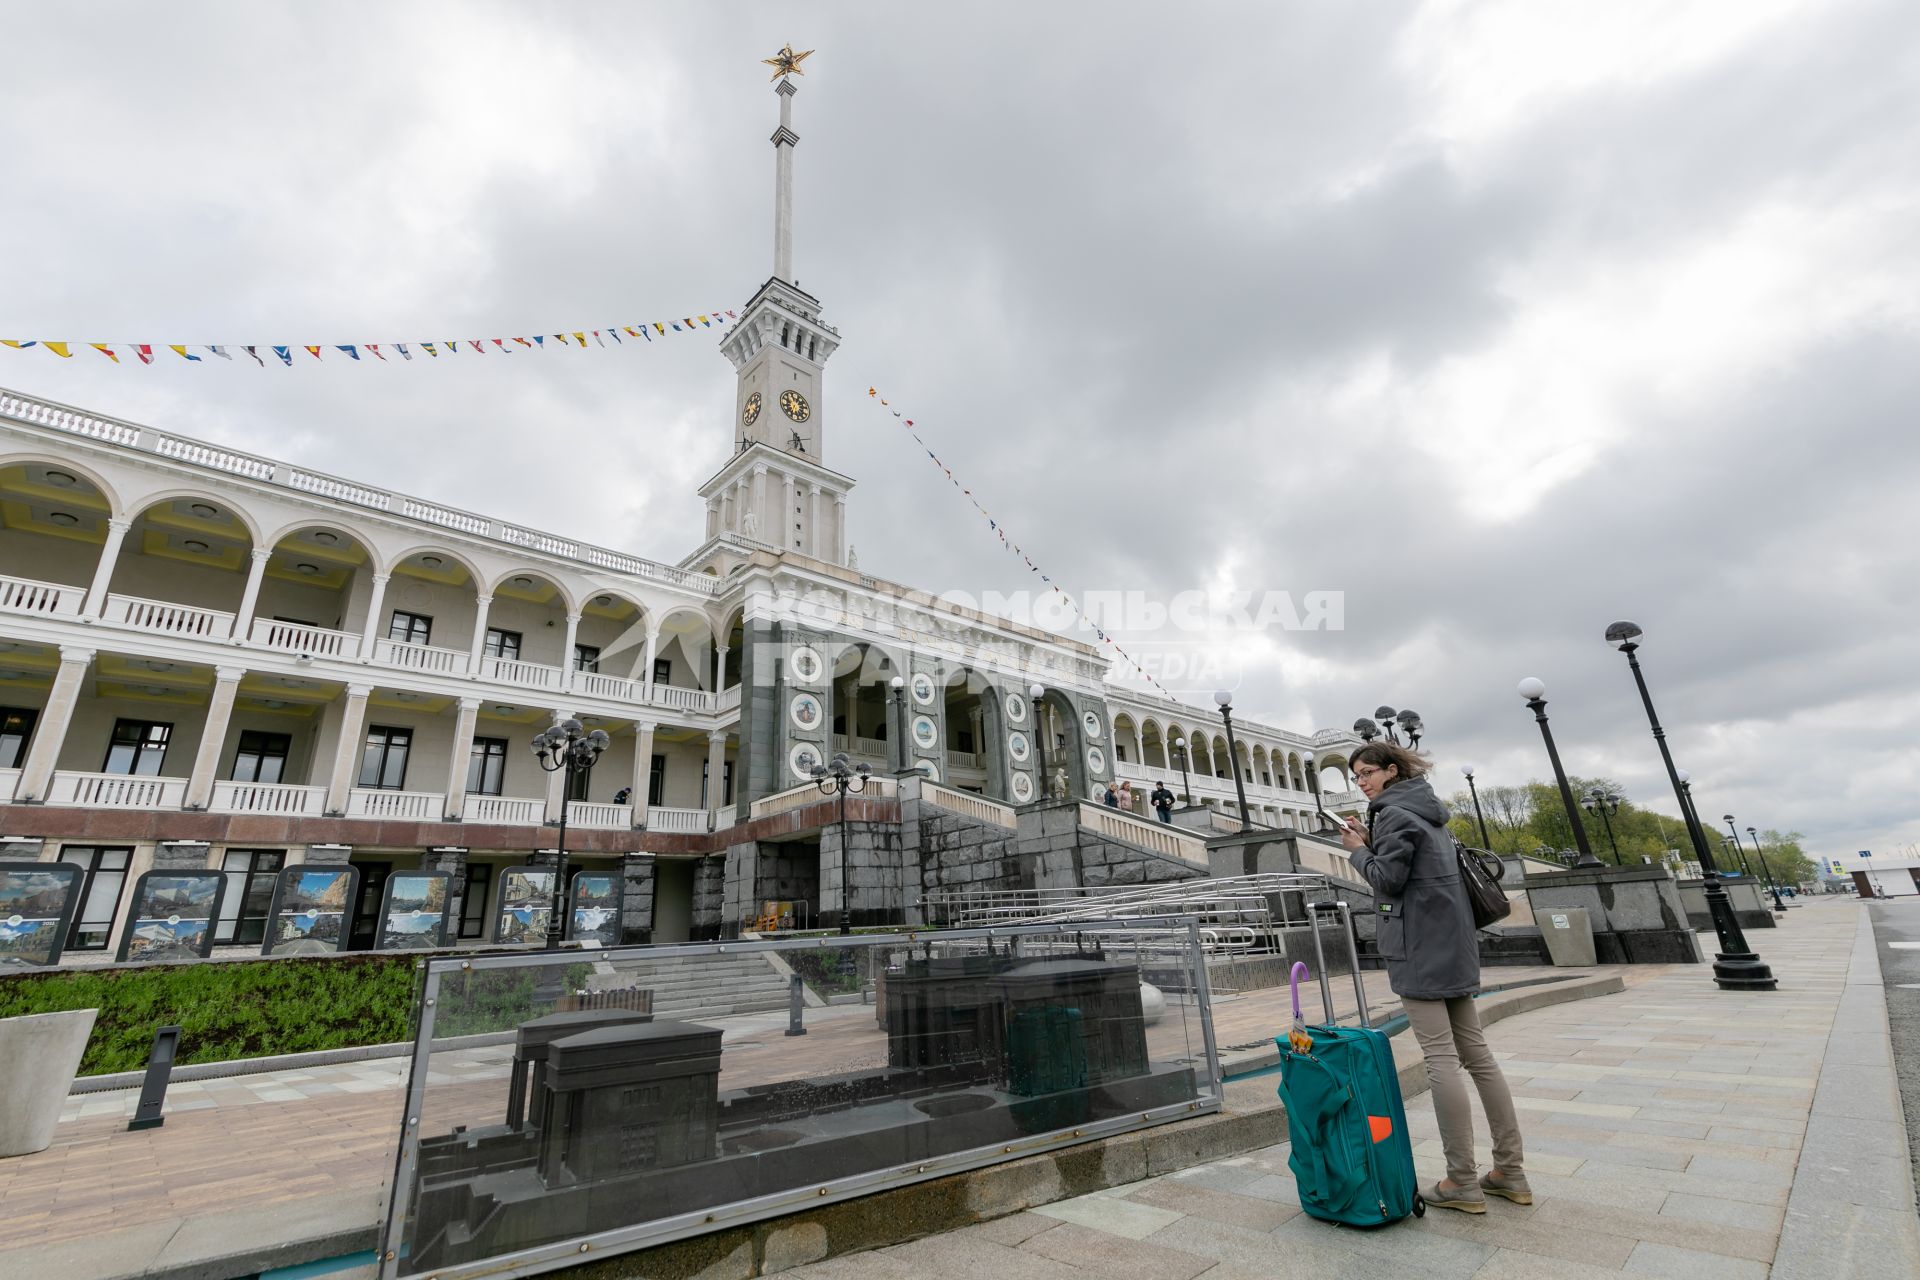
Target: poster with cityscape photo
173,915
526,901
36,908
596,908
414,915
310,910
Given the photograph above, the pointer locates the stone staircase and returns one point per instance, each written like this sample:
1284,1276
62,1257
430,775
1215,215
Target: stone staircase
704,986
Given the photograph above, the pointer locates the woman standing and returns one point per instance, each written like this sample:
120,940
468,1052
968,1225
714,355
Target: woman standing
1427,937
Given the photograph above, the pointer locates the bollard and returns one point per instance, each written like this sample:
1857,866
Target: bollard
153,1089
795,1001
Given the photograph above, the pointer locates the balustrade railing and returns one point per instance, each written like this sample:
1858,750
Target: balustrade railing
116,791
512,811
420,657
1174,842
52,599
533,675
280,798
679,821
163,617
297,637
421,806
595,685
9,783
596,816
969,805
672,695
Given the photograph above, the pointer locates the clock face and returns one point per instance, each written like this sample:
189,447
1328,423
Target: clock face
752,411
794,405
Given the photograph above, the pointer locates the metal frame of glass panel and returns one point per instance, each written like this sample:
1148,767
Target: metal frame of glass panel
573,1251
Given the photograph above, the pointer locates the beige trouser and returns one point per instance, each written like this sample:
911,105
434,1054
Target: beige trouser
1450,1037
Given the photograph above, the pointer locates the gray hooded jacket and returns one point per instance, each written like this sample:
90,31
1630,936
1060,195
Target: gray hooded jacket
1425,922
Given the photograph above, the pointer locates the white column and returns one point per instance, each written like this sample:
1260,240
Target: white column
642,769
786,514
742,498
716,776
719,671
839,528
713,517
566,651
784,139
461,758
371,631
55,718
206,759
813,521
757,495
653,644
1140,749
243,618
353,723
557,780
483,603
103,572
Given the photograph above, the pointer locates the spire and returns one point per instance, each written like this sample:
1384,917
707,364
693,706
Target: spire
785,64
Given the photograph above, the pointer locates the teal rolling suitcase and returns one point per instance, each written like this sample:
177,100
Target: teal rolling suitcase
1352,1159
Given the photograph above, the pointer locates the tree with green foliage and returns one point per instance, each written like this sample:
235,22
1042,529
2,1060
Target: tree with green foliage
1523,819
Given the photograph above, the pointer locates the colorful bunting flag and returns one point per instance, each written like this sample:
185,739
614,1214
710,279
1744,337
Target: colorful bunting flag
105,350
182,352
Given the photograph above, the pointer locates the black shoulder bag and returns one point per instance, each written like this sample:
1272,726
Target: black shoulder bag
1480,872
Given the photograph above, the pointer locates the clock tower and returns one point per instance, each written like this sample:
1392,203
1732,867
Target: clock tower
776,490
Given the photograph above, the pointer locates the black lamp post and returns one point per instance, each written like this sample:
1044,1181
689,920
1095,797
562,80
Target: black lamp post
1606,803
1772,885
837,776
1225,701
1535,691
1466,771
1180,754
1035,692
898,698
1736,968
566,747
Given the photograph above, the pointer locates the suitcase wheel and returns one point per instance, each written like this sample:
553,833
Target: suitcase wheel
1419,1206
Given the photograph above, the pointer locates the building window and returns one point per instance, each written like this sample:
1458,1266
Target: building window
487,767
410,628
1120,752
586,657
16,731
657,780
726,778
473,901
243,908
663,670
576,784
138,747
103,872
384,767
503,644
261,757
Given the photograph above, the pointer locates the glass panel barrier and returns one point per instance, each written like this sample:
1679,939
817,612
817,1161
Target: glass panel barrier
556,1108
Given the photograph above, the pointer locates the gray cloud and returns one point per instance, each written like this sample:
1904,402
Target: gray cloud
1273,293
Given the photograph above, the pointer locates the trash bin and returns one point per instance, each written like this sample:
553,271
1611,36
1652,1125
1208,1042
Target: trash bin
1568,934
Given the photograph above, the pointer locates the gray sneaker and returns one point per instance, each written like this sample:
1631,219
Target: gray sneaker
1465,1199
1512,1186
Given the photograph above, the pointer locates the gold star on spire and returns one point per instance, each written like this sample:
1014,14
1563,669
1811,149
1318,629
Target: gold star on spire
787,62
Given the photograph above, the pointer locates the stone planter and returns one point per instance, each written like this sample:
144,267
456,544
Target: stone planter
39,1054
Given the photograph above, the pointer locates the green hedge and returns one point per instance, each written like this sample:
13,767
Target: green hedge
236,1009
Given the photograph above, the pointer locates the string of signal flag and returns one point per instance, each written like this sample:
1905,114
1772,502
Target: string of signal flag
586,339
1013,547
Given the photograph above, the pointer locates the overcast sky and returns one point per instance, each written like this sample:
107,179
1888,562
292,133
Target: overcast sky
1506,319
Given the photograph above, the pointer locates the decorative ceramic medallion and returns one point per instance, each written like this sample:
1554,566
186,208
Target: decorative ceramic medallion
930,769
804,711
1018,747
805,665
1096,761
1016,708
926,734
1023,788
802,759
923,688
1091,723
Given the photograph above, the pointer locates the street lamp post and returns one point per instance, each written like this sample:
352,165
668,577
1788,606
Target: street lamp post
1180,754
568,747
1534,691
1225,699
1737,967
898,698
1035,692
1466,771
837,777
1600,800
1765,870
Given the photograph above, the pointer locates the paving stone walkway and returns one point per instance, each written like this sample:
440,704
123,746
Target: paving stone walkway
1664,1127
